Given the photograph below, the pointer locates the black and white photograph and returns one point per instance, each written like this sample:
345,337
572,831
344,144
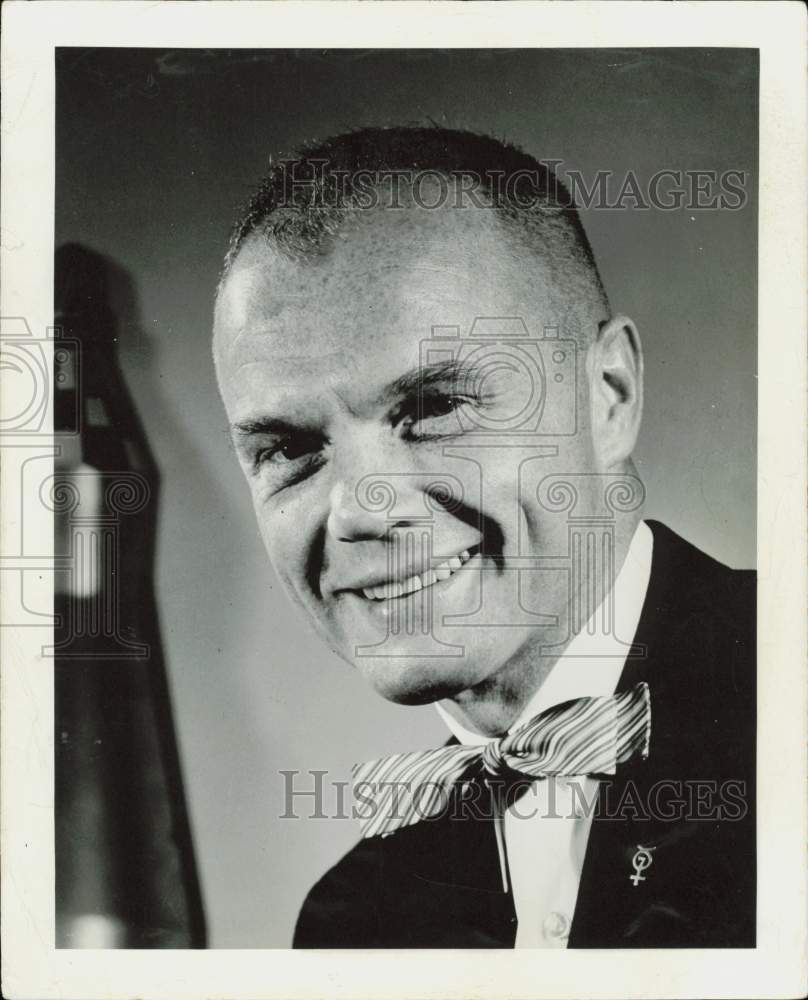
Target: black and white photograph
399,429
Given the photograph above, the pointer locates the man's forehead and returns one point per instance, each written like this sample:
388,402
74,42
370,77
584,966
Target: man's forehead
264,282
387,275
448,243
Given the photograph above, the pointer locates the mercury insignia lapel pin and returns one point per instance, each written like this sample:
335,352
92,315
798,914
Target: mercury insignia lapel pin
642,859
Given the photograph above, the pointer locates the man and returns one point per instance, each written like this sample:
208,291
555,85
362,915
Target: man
435,409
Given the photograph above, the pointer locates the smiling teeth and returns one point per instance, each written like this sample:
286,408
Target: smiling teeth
399,588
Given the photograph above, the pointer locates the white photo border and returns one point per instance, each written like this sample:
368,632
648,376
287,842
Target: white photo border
32,967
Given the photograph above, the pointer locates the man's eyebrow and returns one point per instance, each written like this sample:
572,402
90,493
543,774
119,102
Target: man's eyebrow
458,374
261,425
455,372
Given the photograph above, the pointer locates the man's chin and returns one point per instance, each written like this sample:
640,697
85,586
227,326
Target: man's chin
408,680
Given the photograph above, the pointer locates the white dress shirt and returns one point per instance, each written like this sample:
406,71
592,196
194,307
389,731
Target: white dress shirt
542,837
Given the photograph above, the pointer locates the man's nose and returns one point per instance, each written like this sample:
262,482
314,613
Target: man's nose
349,520
366,501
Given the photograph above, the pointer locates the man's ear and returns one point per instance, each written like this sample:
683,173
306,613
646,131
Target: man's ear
614,367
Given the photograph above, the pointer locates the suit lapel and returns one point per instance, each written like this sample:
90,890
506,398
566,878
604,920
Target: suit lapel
672,901
442,882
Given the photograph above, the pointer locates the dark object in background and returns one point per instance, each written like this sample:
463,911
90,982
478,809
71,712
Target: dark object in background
125,872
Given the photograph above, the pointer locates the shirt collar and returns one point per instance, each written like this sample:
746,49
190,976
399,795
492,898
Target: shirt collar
594,658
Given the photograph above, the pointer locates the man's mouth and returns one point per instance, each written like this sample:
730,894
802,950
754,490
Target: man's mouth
400,588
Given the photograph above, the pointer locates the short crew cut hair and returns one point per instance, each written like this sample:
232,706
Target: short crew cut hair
303,201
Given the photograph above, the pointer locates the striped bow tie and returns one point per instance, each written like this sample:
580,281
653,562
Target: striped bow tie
579,737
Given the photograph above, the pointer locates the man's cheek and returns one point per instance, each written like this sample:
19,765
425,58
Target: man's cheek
268,536
277,538
288,546
285,566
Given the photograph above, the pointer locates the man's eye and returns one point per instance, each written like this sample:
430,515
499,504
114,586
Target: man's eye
291,449
441,406
438,416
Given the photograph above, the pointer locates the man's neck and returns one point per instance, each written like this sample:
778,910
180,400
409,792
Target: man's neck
491,707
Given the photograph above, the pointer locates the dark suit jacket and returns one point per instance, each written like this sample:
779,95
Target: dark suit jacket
437,884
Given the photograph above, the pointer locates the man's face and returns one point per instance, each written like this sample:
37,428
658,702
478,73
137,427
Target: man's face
396,470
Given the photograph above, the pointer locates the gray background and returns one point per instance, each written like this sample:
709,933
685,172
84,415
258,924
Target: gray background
155,151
